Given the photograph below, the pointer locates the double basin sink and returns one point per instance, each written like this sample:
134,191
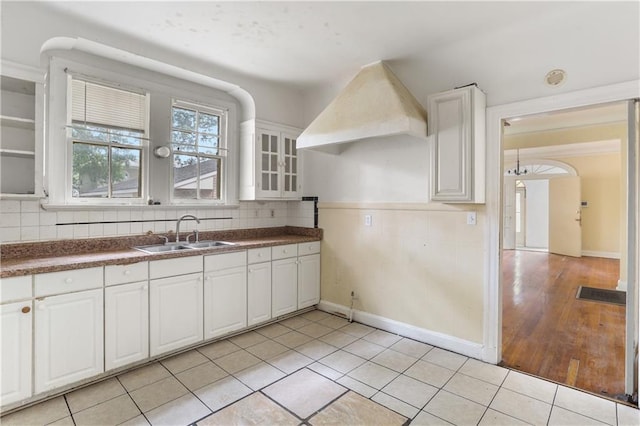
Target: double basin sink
161,248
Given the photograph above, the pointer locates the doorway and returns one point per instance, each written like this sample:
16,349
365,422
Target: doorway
546,331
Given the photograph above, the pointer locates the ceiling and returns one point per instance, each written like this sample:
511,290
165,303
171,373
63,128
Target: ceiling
578,117
305,43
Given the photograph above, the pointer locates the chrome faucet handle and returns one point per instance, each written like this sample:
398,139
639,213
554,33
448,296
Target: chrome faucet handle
196,234
166,239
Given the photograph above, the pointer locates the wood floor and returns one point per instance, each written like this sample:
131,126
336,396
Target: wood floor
547,332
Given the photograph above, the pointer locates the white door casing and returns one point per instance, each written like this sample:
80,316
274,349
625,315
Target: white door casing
633,237
492,340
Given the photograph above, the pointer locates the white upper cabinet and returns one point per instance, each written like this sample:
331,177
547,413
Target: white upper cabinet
21,127
457,127
270,165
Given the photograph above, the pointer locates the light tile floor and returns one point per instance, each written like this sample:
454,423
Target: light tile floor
318,369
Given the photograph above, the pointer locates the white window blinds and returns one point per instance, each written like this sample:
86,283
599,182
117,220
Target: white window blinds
106,106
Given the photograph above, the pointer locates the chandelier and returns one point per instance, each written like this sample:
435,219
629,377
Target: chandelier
517,171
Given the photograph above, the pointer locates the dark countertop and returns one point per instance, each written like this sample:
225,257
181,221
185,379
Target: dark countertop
40,257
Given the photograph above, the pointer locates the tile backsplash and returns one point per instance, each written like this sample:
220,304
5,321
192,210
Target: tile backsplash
22,221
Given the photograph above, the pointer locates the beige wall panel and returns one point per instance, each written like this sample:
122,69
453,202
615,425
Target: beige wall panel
423,268
601,180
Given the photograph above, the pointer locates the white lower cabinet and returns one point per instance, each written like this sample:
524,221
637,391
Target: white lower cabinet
225,293
308,281
175,312
126,324
258,293
15,325
68,339
284,286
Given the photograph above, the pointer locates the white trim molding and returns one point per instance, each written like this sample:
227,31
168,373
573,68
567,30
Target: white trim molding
492,342
622,285
605,254
444,341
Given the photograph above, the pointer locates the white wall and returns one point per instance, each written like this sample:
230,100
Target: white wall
376,170
537,213
27,25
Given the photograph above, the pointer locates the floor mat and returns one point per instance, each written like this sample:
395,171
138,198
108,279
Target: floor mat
602,295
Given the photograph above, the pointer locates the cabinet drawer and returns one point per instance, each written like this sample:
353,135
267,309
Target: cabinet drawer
15,288
308,248
172,267
224,261
68,281
282,252
259,255
122,274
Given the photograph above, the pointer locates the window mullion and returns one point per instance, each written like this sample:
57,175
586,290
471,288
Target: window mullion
110,181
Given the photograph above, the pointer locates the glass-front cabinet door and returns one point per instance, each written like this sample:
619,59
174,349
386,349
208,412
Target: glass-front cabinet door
290,164
278,165
269,164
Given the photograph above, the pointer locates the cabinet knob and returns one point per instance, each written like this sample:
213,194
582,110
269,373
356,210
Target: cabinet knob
200,278
68,280
127,272
26,309
284,251
250,270
144,287
259,254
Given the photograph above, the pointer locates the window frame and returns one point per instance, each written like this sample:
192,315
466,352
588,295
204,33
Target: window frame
161,89
223,144
144,146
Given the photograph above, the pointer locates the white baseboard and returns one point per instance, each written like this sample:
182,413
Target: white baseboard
605,254
444,341
622,285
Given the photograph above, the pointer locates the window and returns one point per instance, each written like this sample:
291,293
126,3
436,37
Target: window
198,139
108,141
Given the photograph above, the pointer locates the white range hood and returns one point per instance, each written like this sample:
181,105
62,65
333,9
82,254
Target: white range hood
374,104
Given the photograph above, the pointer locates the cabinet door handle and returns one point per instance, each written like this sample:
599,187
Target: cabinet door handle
68,280
26,309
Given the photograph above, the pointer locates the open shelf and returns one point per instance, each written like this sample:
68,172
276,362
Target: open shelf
23,123
17,153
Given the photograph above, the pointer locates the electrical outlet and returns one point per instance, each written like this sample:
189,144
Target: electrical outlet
273,213
471,218
367,220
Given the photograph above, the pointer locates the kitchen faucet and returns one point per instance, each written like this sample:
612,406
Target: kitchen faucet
184,216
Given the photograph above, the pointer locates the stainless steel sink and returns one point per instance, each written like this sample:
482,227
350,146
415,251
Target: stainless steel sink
208,244
161,248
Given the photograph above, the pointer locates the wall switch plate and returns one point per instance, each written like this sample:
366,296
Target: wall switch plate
471,218
367,220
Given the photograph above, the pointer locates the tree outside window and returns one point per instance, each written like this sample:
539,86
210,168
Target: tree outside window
199,150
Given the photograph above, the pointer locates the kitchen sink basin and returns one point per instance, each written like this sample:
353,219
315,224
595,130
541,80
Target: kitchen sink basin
162,248
207,244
